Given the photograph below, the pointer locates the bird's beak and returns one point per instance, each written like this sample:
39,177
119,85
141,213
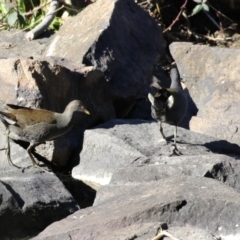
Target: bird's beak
86,111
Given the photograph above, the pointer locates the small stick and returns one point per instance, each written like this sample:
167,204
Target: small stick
178,16
36,9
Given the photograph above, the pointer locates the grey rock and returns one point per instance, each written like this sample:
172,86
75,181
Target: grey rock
147,231
217,166
30,201
107,35
178,201
120,143
14,44
213,87
19,155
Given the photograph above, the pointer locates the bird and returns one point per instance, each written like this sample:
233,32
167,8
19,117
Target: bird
169,105
38,125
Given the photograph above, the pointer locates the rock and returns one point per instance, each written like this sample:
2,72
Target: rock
120,143
178,201
51,84
218,166
213,85
30,201
14,44
145,231
107,35
19,155
61,151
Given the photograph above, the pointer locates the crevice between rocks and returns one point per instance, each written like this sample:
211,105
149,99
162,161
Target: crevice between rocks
181,205
82,193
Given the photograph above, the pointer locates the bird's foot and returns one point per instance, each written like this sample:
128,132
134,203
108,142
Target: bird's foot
175,151
12,164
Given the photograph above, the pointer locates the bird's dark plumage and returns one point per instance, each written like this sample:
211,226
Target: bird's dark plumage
169,105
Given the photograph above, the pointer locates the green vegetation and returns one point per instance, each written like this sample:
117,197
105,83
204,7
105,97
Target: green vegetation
14,14
201,5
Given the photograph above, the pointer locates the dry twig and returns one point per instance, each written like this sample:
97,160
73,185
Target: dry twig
178,16
29,13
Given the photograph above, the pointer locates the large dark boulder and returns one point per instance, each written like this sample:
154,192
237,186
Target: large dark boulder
30,201
137,209
118,38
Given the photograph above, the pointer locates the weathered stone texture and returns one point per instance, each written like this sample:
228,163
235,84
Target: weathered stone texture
213,83
116,43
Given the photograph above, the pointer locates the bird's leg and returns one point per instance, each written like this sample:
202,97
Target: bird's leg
161,131
175,150
29,150
8,149
9,152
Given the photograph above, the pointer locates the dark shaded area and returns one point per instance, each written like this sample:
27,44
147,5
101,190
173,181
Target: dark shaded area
211,27
141,109
16,196
183,203
30,220
82,193
223,147
191,111
23,220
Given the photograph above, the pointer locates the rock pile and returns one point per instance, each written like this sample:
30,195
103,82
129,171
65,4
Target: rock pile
118,149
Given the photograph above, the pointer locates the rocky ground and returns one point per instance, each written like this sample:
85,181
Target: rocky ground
112,176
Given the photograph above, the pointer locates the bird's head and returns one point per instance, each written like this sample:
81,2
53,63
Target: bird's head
77,106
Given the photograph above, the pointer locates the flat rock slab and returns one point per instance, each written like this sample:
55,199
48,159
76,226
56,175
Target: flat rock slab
179,201
30,201
213,84
120,143
107,35
217,166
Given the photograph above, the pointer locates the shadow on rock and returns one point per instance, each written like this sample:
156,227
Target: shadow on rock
223,147
191,111
82,193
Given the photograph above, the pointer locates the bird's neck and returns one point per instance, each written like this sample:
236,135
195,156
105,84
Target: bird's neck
176,85
66,120
175,79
